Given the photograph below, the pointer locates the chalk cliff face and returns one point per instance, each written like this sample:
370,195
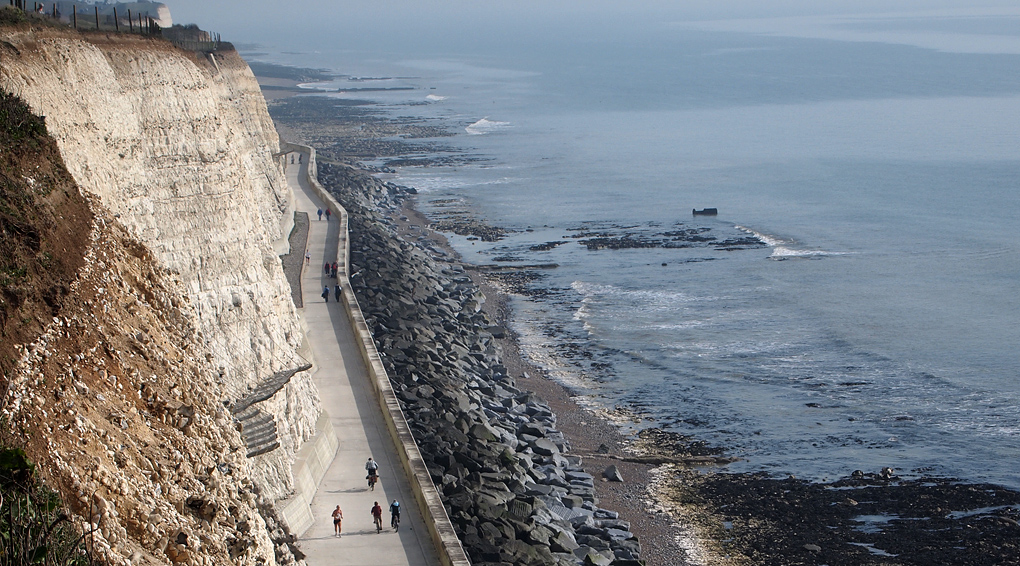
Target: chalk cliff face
179,147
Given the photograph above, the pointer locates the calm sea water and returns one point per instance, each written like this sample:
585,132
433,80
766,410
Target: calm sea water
877,158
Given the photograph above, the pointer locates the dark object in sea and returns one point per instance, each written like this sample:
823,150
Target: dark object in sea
705,212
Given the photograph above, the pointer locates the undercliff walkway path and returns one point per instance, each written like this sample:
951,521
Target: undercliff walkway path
344,387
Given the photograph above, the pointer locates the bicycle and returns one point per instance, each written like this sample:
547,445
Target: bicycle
395,515
372,479
377,517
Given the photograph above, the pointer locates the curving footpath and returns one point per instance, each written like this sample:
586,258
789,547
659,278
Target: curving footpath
357,400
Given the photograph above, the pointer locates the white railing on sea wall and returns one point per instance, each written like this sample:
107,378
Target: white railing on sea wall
451,552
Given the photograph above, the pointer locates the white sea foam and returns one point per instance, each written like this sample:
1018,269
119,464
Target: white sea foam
428,184
435,98
435,183
658,298
537,349
771,241
582,312
784,252
687,325
781,248
321,87
486,126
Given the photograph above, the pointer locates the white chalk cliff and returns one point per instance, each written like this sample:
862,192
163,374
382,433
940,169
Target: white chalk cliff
179,147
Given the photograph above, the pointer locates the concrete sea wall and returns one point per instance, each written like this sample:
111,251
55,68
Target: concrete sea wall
426,496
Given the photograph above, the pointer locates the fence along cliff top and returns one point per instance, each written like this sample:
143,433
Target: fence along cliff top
146,18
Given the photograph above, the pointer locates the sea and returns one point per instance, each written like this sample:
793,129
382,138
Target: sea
855,303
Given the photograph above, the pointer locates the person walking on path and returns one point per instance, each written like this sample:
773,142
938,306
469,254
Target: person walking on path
325,268
325,293
338,516
377,517
328,213
332,270
320,215
308,258
336,292
394,514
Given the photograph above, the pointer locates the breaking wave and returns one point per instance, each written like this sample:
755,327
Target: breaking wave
486,126
781,249
781,252
771,241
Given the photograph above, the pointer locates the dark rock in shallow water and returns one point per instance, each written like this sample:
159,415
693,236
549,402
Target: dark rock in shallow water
863,519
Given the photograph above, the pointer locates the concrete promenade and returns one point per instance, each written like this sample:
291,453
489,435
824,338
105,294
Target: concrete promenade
342,379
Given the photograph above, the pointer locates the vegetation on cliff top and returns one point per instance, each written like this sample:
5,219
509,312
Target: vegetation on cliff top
11,16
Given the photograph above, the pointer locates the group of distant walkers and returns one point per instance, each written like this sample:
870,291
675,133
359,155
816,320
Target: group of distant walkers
330,269
372,467
336,292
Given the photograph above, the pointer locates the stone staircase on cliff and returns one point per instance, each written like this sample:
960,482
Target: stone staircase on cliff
258,428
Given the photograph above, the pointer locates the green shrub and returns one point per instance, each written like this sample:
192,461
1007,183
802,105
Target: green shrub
9,16
17,122
34,528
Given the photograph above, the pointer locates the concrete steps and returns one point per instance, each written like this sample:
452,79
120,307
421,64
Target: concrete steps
258,429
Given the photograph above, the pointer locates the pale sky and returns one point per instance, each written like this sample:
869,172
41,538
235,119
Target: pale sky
248,21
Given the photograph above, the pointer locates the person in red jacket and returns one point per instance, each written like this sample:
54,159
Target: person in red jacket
377,516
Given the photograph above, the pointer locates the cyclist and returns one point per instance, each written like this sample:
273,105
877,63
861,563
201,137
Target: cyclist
377,517
395,514
373,473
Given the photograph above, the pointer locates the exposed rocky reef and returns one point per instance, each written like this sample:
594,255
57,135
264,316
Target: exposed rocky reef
349,131
617,237
865,519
